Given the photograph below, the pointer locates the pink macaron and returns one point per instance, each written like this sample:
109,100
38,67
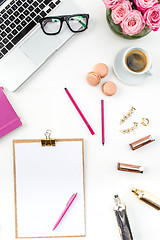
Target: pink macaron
93,78
109,88
101,69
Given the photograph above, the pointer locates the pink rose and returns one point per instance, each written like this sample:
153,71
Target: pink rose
111,3
152,17
143,5
132,23
120,11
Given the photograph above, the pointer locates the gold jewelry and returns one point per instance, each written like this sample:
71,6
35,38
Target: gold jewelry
125,117
145,121
128,130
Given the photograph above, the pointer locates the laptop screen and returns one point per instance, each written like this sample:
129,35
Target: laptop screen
2,1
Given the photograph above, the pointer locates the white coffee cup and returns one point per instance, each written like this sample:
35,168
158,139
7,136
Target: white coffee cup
147,68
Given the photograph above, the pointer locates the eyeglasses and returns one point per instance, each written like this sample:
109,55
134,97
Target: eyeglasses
76,23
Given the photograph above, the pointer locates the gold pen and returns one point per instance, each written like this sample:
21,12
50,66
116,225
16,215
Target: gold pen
147,198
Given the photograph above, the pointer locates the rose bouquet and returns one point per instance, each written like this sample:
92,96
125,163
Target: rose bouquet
133,17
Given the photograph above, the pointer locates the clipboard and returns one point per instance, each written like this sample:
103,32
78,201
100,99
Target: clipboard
44,180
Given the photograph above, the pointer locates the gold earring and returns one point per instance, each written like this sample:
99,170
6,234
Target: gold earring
128,130
125,117
145,121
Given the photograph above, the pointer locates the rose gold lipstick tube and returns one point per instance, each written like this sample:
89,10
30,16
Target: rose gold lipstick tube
129,168
141,142
147,198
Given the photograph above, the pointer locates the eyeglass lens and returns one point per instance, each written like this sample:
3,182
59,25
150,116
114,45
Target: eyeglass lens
53,25
77,23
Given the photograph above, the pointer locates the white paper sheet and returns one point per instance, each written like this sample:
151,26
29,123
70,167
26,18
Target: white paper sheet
46,177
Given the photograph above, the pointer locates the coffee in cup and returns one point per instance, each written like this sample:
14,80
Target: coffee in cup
136,60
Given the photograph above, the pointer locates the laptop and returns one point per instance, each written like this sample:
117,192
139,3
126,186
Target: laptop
24,47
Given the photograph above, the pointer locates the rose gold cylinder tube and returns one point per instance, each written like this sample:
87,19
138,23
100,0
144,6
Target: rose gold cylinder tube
141,142
129,168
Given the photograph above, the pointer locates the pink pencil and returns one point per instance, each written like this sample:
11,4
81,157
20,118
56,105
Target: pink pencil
65,210
102,118
79,111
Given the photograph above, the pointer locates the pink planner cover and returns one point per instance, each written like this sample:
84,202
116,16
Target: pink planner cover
8,117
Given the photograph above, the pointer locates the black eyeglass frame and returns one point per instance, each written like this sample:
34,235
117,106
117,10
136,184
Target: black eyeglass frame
65,18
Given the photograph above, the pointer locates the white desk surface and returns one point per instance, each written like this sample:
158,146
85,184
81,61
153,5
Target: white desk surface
43,104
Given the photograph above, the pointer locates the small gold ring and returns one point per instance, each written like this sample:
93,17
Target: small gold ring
145,121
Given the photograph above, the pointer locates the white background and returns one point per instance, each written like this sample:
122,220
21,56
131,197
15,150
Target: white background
43,104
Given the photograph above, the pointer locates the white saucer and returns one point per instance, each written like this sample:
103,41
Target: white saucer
123,74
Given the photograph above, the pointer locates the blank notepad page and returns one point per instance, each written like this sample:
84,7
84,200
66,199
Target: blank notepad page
45,179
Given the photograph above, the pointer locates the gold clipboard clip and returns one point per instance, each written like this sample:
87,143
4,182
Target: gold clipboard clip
48,141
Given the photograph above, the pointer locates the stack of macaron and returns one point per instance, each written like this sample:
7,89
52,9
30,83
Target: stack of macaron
100,70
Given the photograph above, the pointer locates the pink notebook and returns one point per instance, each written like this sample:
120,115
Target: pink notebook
8,117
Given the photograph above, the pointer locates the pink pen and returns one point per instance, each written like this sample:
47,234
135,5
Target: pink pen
79,111
102,119
65,210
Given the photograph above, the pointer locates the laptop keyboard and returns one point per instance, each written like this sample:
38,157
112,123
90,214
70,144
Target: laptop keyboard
18,18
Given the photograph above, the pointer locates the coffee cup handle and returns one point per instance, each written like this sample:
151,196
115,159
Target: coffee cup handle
149,72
